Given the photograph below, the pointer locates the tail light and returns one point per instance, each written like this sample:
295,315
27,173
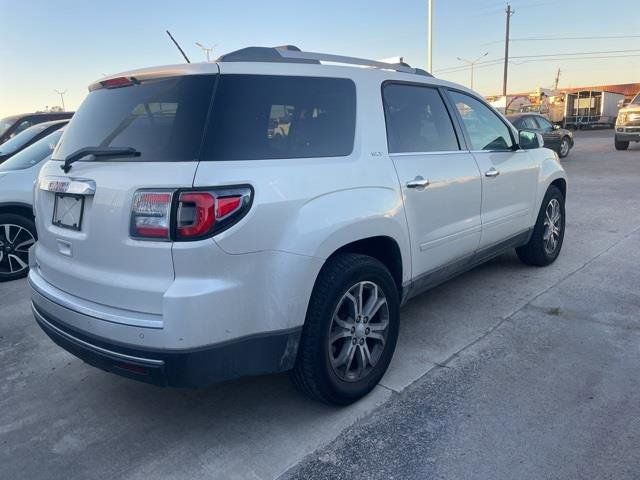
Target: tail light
151,214
189,214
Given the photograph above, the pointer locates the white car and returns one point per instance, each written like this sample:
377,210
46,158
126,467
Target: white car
17,228
269,212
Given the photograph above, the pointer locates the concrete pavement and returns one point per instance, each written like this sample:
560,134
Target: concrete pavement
551,393
62,418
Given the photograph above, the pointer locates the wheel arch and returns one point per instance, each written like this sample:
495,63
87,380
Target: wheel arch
561,184
17,208
382,248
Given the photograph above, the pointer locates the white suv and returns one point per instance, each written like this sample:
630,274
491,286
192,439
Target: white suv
268,212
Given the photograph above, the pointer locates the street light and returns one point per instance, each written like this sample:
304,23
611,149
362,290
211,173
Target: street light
207,50
472,63
61,98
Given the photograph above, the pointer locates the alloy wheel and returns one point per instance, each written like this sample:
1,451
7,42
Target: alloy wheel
358,331
552,226
15,242
564,147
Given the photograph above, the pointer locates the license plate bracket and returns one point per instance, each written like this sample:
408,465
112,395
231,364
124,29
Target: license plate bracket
68,210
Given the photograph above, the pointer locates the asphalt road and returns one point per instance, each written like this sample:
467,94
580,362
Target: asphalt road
507,371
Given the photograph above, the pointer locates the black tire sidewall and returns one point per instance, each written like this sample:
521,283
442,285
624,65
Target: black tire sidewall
621,145
564,139
552,193
27,223
373,271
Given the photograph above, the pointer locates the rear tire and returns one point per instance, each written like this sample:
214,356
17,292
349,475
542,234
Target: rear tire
548,233
17,235
326,369
620,145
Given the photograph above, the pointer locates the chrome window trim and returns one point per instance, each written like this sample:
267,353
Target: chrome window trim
442,152
453,152
498,151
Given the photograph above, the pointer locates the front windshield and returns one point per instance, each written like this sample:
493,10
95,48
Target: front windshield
636,99
6,123
24,137
33,154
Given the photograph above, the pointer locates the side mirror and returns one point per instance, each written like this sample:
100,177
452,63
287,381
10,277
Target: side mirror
556,126
530,140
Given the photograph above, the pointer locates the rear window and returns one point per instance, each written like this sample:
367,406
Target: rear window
258,117
163,119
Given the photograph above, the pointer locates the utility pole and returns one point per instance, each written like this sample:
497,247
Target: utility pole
555,85
430,37
207,50
61,98
506,49
472,63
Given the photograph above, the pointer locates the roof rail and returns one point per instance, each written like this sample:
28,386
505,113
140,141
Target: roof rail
292,54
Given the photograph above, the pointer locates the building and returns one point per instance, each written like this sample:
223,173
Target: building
629,90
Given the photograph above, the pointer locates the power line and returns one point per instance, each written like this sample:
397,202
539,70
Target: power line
592,37
576,58
542,56
553,38
497,62
578,53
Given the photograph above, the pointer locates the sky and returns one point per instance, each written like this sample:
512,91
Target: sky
66,44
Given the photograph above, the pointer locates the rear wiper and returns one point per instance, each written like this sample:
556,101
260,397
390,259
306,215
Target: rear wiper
98,152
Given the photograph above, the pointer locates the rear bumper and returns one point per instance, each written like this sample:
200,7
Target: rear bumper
254,355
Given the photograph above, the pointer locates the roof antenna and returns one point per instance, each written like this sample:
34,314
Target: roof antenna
178,46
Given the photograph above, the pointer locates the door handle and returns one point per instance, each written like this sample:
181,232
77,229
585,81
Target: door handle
492,172
418,182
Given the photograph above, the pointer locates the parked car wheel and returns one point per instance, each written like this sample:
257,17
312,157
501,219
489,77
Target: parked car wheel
350,331
17,235
620,145
565,147
548,233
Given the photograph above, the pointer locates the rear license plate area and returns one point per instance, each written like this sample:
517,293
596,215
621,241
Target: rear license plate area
68,211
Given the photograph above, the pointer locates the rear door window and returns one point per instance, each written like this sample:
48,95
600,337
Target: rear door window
543,123
417,120
527,123
258,117
163,119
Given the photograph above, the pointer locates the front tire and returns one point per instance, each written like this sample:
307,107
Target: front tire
565,147
548,233
17,235
620,145
350,331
